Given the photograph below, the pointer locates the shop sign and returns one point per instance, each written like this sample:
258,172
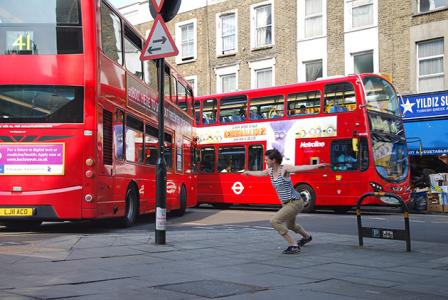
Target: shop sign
424,105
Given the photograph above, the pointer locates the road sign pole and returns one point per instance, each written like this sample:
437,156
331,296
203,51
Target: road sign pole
160,234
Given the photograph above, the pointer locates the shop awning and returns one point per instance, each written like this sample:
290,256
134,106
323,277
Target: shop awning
432,136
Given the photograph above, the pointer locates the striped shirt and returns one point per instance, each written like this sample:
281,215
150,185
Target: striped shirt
283,186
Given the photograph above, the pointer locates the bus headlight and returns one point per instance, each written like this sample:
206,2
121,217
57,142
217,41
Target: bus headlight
89,174
376,186
89,162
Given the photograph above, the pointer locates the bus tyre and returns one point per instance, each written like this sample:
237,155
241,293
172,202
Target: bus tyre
131,208
308,196
21,225
182,203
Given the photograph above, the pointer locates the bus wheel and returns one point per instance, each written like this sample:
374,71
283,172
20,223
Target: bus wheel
308,196
131,208
182,204
21,225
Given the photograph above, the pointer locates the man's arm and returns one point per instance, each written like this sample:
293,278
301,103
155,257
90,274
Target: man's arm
256,173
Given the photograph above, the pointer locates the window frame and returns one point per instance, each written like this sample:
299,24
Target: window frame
255,66
220,72
418,59
180,59
219,35
253,31
429,9
372,52
348,18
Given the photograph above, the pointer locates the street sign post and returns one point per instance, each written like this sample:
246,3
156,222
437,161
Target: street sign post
160,44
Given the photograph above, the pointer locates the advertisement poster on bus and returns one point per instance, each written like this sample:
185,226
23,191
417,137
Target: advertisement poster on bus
277,134
32,159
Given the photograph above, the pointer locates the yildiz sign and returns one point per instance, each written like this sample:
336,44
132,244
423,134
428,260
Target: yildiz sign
424,105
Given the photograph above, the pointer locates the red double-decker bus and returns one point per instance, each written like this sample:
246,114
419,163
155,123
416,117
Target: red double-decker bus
352,122
78,117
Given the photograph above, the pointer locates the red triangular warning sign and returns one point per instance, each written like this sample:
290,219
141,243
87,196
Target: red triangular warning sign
159,43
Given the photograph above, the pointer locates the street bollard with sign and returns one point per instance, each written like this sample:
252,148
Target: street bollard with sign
160,44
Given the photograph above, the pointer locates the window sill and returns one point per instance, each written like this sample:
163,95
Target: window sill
312,38
226,54
265,47
418,14
182,62
361,28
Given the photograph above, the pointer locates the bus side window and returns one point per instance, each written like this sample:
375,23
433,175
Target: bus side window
207,160
256,158
343,158
364,154
231,159
119,135
339,97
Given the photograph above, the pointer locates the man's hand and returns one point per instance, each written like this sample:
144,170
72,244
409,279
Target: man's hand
323,166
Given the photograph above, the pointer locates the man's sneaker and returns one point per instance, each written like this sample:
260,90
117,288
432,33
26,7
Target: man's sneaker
292,250
304,241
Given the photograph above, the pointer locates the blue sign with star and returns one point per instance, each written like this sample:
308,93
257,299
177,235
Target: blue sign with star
424,105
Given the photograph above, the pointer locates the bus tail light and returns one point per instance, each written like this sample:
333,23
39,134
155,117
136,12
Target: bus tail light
88,198
89,162
376,186
89,174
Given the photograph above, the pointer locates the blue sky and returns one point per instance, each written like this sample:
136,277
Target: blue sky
120,3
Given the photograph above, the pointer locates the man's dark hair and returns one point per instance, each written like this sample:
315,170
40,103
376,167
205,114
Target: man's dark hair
274,154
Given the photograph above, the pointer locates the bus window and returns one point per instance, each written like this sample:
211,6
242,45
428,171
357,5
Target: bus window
168,150
231,159
134,139
118,135
197,111
111,34
190,103
151,145
266,108
307,103
364,154
174,97
256,158
343,158
207,160
151,74
339,97
182,96
233,109
209,111
132,48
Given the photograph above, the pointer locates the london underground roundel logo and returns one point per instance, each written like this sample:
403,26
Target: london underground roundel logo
237,187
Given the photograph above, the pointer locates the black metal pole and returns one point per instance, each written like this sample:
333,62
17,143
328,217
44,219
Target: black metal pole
160,234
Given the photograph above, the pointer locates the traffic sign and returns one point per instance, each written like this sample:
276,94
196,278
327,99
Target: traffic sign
159,43
157,4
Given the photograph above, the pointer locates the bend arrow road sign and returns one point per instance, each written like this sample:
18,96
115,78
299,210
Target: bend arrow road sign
159,43
157,4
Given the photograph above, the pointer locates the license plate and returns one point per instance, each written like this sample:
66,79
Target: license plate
16,212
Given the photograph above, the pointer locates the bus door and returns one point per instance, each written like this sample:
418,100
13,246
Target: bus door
347,175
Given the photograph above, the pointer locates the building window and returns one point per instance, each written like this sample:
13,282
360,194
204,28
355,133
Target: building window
363,62
263,78
362,13
227,79
192,80
313,69
313,18
186,39
262,73
428,5
262,25
226,33
430,65
228,82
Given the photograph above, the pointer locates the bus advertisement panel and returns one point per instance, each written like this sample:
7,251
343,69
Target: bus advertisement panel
352,123
78,117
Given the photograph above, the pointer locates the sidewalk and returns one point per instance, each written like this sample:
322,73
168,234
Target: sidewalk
226,262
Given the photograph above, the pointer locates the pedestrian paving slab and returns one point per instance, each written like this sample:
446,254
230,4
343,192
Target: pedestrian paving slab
225,262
